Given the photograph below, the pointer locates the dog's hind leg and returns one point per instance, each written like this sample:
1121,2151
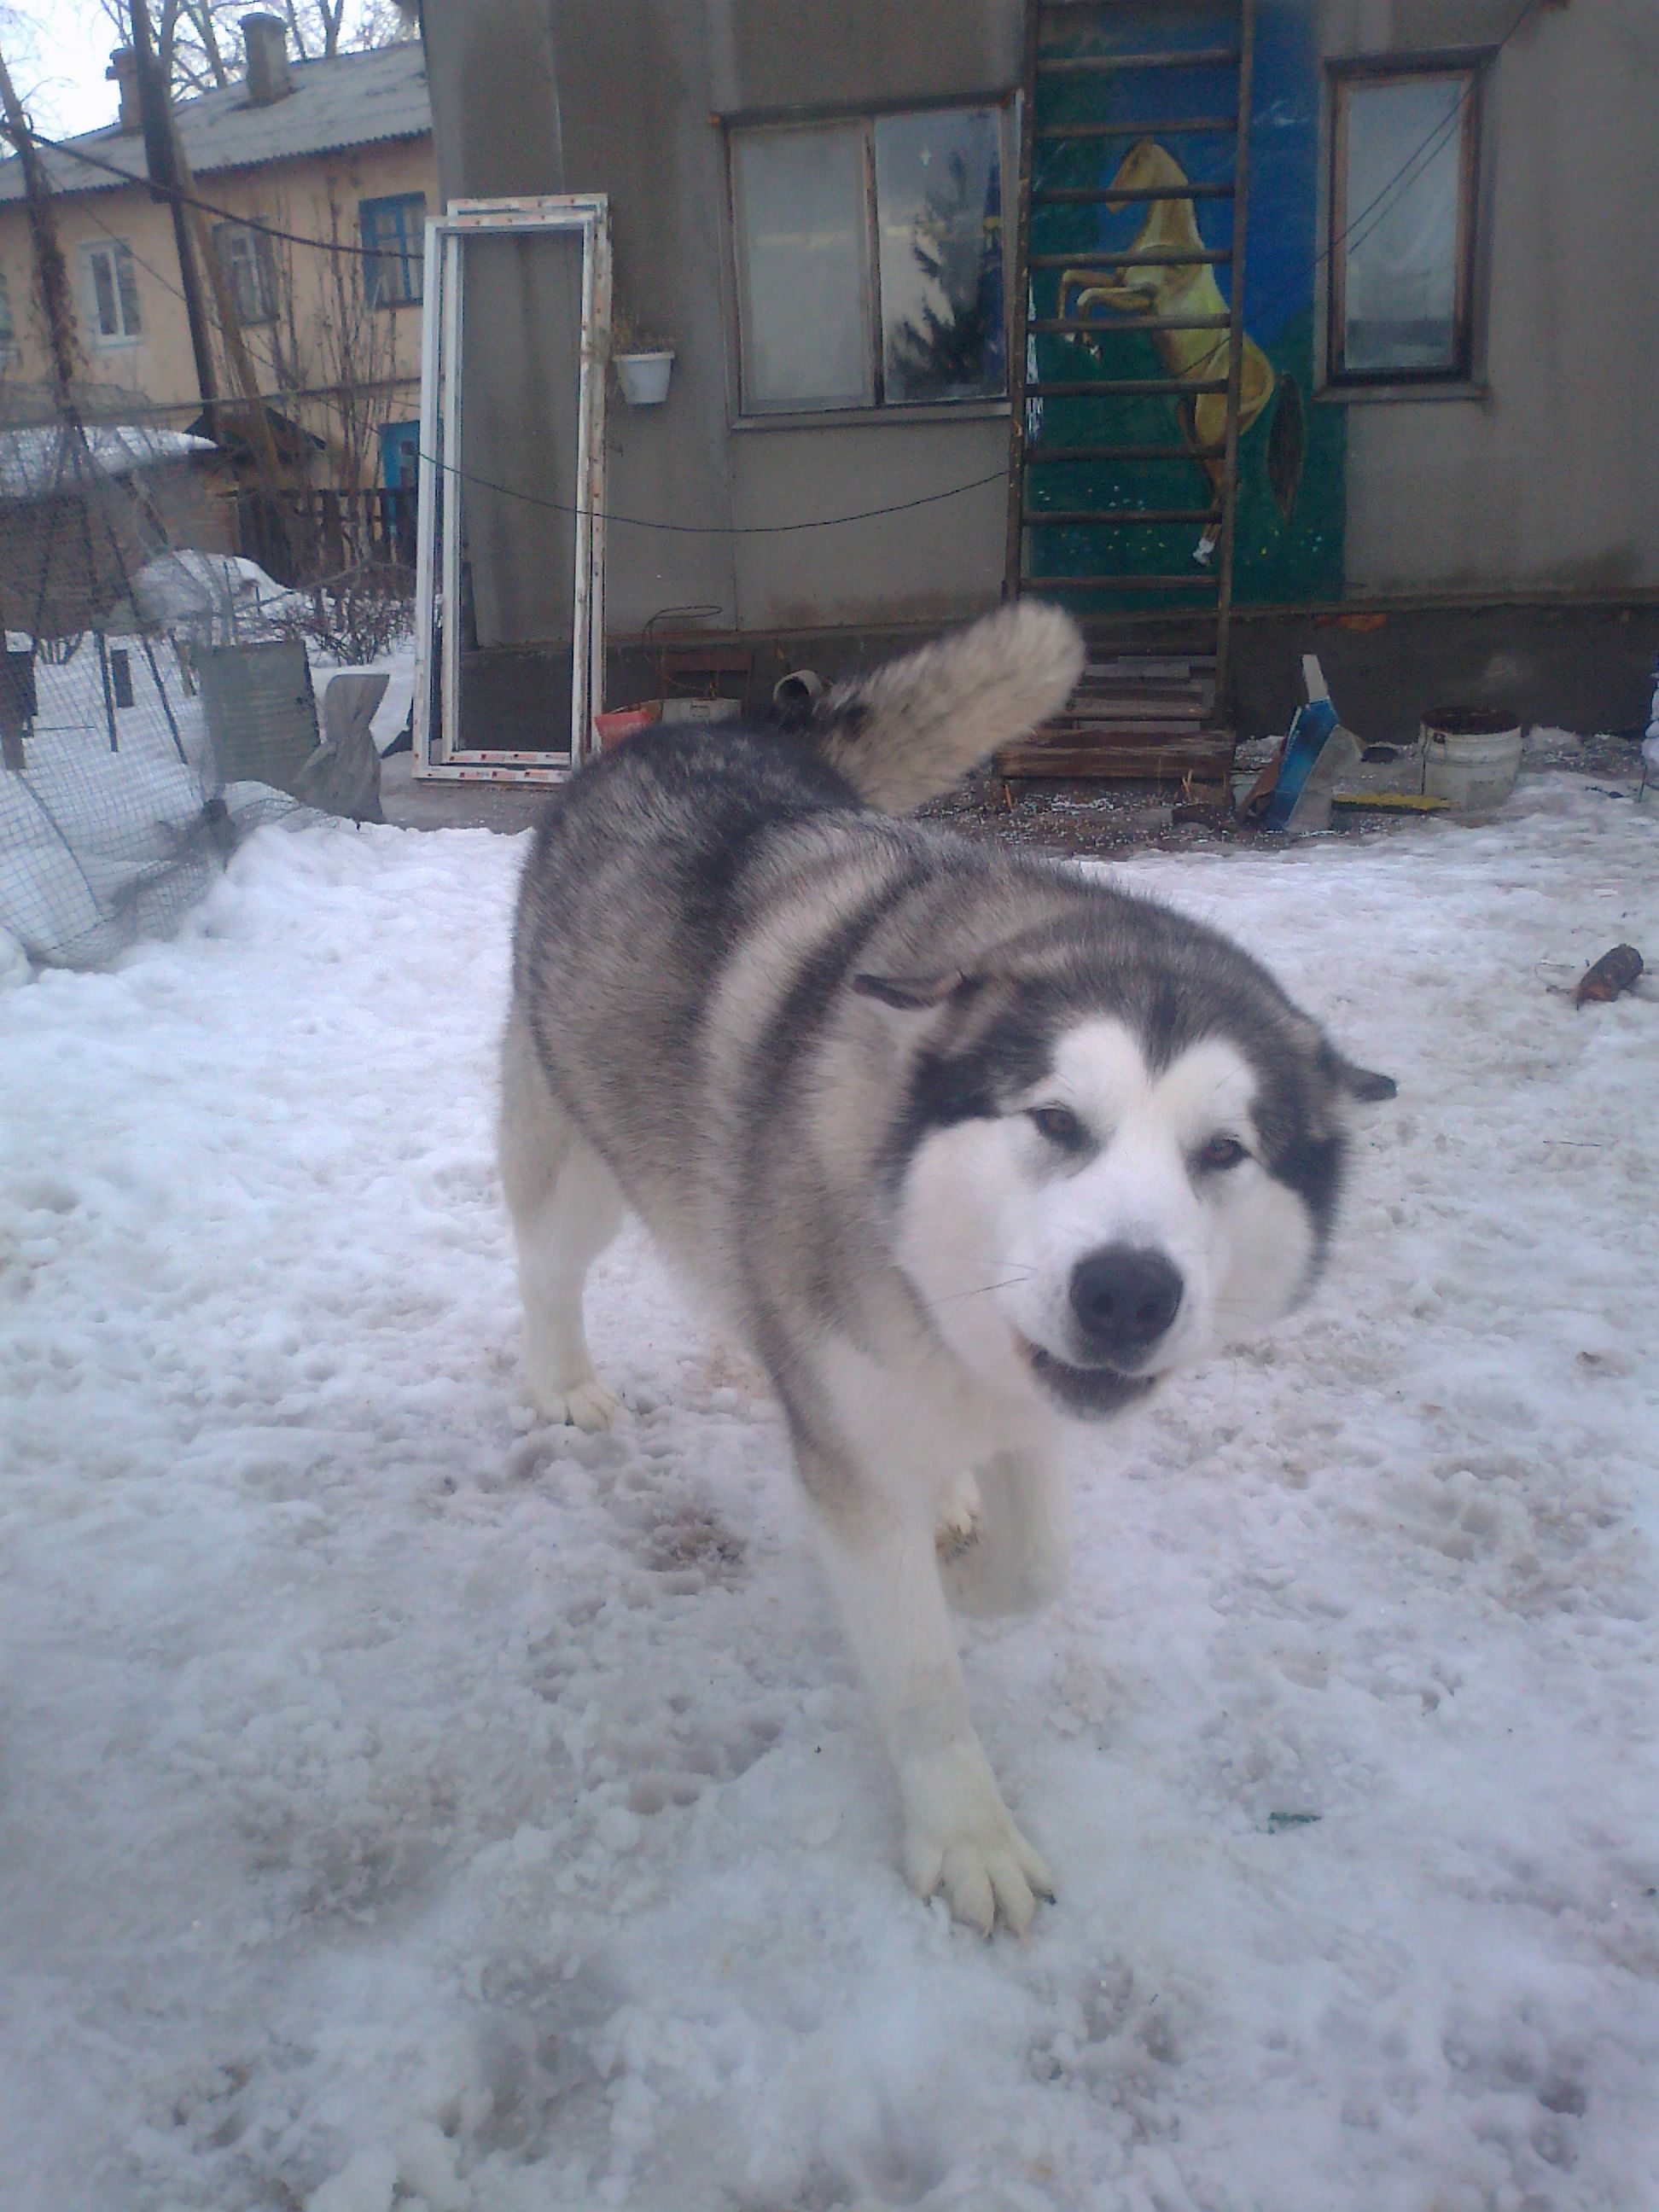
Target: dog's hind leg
566,1209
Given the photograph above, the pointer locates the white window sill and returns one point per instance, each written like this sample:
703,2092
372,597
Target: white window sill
832,418
117,345
1385,394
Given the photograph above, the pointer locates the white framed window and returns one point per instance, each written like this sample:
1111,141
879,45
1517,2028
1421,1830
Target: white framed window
1405,153
250,270
870,256
111,293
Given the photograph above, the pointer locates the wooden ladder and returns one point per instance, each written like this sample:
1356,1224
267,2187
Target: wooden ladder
1103,86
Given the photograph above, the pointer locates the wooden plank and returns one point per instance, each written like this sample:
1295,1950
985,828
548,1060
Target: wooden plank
1151,257
1182,583
1177,667
1154,707
1178,739
1163,126
1069,326
1190,57
1119,518
1134,684
1173,761
1161,723
1112,7
1092,195
1034,453
1185,747
1123,387
1100,692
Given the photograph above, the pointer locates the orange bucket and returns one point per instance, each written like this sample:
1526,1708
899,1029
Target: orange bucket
619,722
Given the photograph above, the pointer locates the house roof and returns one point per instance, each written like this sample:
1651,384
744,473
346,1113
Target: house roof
40,461
356,99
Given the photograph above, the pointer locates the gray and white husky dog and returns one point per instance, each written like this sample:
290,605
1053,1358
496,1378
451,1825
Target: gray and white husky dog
958,1142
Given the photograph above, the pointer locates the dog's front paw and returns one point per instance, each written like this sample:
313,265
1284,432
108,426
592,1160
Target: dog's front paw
588,1406
956,1529
960,1838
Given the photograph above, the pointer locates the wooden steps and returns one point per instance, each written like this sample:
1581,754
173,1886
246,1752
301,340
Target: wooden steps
1135,717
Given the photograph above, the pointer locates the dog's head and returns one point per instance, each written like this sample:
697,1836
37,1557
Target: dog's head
1120,1150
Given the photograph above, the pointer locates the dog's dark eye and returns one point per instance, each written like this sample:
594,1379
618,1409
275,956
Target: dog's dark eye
1060,1127
1220,1153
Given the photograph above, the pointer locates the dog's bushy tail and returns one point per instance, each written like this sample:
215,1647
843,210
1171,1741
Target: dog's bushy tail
911,729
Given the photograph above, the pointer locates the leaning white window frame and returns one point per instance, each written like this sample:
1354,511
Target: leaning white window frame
439,752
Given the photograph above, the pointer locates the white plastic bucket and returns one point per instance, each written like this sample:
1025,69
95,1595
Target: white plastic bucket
1471,760
644,377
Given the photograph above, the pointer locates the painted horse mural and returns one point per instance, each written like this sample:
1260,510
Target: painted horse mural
1176,290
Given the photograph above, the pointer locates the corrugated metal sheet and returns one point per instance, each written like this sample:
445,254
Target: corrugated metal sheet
261,712
356,99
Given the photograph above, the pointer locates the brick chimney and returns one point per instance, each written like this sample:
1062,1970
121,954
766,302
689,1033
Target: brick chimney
265,39
124,69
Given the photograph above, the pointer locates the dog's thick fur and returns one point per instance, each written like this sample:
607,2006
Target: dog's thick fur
956,1142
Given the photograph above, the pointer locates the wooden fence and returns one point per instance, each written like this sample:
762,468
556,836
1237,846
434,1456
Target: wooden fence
303,538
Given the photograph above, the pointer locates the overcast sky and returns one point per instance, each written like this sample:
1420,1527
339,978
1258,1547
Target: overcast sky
59,50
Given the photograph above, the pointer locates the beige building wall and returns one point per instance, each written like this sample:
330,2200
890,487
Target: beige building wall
340,367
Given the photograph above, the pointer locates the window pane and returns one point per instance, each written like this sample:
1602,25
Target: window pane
127,289
801,256
939,209
103,293
236,256
406,227
1403,247
392,231
8,330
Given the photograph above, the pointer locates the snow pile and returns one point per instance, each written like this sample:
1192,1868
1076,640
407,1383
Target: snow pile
214,598
39,462
404,1806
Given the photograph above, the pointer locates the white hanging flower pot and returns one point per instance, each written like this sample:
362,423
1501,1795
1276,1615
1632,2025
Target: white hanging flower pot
644,376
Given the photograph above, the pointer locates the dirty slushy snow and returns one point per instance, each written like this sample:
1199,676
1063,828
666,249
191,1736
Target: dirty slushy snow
404,1806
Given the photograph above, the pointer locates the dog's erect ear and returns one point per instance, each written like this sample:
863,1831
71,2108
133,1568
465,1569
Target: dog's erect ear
914,994
1356,1082
1342,1074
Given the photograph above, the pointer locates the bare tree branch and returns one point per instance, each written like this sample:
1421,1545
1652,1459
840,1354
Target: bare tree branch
200,41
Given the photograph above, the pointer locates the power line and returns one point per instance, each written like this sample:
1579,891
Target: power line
1430,145
713,529
75,153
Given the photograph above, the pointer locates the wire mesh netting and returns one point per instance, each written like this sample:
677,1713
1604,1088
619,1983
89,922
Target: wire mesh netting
156,694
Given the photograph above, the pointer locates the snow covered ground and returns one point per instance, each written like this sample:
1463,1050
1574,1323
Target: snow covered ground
401,1805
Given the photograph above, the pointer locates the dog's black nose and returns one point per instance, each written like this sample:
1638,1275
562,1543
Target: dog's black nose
1124,1300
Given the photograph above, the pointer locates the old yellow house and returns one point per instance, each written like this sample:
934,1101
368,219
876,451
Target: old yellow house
338,155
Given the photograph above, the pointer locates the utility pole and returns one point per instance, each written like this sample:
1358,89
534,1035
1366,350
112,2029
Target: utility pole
160,162
51,279
168,168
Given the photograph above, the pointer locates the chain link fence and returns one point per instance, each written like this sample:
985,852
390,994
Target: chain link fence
156,702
